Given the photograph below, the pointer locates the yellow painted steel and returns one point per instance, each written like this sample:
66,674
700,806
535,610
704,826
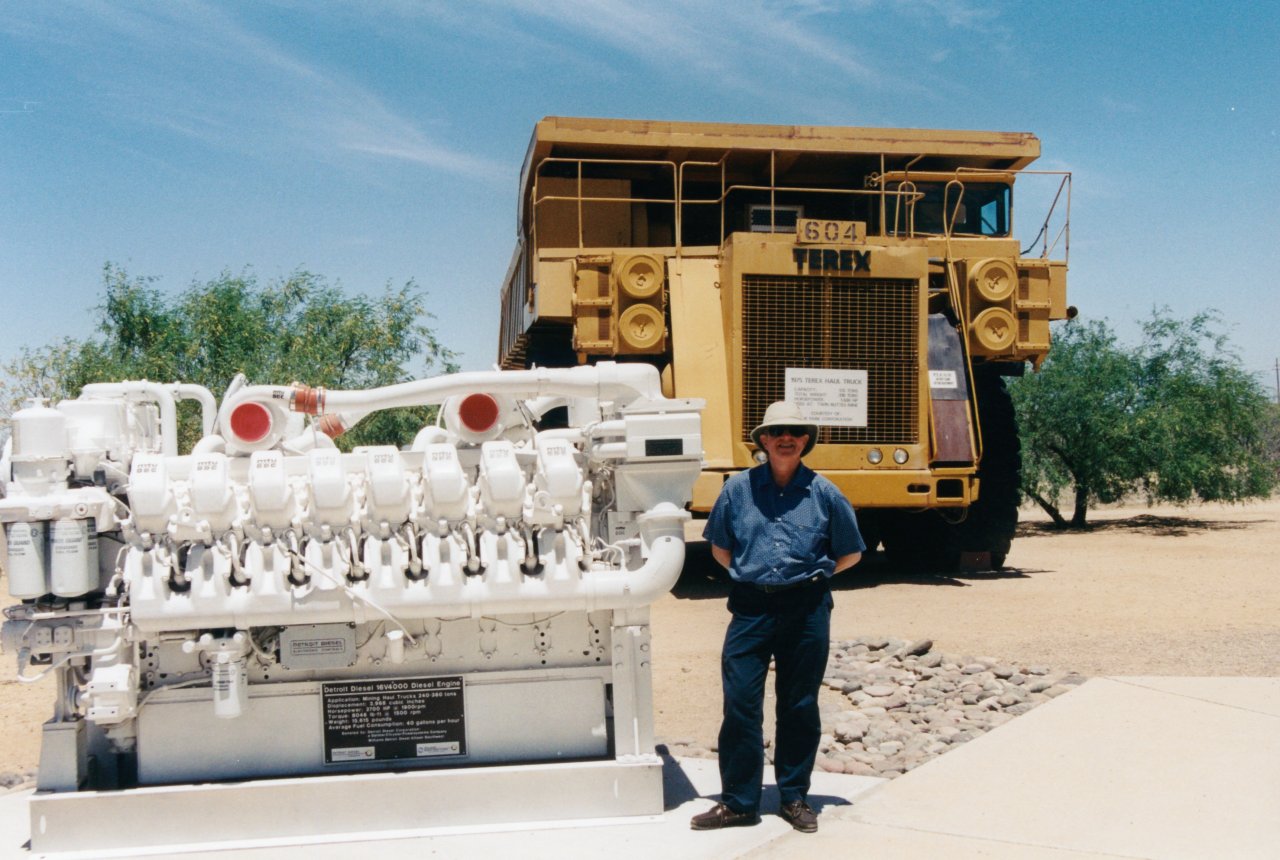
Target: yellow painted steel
676,243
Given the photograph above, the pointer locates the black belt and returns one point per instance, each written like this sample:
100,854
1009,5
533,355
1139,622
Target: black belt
786,586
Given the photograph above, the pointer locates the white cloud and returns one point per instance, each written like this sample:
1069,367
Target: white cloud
749,47
781,53
961,14
195,70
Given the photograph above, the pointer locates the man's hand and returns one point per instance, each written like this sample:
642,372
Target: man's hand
844,562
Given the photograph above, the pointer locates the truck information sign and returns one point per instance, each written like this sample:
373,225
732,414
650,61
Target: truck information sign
393,719
835,398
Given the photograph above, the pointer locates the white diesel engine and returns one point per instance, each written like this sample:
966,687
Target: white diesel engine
450,632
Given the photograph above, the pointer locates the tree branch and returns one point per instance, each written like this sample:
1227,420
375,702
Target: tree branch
1050,509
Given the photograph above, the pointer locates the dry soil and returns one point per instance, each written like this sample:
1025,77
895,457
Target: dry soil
1145,591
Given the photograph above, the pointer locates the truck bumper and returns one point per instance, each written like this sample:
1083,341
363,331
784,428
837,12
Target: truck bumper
866,488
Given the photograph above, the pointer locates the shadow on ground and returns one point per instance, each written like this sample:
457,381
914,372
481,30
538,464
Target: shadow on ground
1147,524
677,790
676,787
702,578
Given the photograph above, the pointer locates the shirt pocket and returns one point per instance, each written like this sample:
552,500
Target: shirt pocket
805,544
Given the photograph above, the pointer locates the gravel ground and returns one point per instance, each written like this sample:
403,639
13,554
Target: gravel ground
904,703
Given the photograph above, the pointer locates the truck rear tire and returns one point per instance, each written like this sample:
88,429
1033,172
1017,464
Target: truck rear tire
930,540
869,528
918,541
993,518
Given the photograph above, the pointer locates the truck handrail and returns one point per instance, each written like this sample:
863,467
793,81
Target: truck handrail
536,199
1064,233
678,201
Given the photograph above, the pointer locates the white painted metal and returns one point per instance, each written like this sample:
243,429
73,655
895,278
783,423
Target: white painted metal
279,608
344,807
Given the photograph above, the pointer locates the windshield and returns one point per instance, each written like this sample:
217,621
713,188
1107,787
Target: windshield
983,209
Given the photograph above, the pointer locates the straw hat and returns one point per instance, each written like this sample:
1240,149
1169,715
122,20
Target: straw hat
784,414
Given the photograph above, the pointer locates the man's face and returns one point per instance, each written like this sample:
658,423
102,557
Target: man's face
784,443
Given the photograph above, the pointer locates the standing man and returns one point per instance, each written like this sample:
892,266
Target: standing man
782,530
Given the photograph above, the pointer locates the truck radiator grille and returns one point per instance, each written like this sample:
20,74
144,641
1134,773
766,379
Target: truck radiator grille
834,323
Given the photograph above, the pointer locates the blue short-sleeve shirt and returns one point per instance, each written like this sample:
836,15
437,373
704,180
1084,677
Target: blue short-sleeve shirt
777,536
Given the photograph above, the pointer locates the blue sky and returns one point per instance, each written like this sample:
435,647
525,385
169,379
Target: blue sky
375,142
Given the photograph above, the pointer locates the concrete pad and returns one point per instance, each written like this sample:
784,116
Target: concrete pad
1250,694
1123,767
690,786
852,839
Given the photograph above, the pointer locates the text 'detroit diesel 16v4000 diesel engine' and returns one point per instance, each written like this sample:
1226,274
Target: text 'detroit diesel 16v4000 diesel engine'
450,633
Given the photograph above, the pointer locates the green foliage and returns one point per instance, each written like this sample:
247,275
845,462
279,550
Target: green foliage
301,328
1271,435
1175,419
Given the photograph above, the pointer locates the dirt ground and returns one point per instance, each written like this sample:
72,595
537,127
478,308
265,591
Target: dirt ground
1146,591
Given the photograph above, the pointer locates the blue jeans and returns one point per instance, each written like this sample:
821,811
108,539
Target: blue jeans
793,628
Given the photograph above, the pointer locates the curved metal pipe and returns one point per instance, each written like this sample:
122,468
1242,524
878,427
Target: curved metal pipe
210,444
208,405
441,595
143,390
542,405
603,381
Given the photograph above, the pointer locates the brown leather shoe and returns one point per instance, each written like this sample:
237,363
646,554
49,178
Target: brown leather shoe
720,816
801,816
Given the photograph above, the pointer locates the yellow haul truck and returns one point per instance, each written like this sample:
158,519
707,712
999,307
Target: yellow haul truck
871,275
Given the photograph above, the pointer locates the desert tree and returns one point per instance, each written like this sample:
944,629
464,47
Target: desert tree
1175,418
298,328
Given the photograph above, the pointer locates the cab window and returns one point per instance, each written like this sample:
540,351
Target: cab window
983,209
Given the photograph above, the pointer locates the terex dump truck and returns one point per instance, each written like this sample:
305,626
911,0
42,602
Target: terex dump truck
871,275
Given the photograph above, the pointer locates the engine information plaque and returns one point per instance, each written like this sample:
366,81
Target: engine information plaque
401,718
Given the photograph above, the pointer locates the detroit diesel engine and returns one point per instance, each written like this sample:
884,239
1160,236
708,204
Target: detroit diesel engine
450,632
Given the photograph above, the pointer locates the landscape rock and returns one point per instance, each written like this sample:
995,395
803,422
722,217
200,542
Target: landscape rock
896,704
917,648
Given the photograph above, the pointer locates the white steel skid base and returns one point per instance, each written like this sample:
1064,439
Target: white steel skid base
337,808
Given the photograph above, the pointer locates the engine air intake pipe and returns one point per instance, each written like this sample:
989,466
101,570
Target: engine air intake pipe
604,381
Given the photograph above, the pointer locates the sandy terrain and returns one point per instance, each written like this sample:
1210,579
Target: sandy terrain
1146,591
1161,591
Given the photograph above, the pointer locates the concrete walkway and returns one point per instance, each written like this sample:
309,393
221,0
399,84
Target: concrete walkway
1120,767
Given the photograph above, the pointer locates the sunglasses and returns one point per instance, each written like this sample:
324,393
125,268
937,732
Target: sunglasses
795,431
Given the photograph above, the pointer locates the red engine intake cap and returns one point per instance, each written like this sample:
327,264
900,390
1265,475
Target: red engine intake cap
479,412
251,422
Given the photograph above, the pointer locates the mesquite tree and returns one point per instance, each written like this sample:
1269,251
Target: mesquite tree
1175,418
299,328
